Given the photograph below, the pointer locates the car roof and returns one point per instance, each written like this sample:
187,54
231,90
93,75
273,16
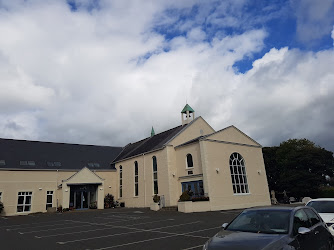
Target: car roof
322,199
276,208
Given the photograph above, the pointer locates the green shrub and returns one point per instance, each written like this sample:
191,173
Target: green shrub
1,207
185,196
109,201
326,192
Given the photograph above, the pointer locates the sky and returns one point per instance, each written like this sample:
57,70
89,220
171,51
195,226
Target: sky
104,72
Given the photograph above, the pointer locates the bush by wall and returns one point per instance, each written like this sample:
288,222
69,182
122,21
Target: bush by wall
185,196
1,207
326,192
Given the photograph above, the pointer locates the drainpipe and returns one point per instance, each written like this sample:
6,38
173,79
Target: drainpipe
144,181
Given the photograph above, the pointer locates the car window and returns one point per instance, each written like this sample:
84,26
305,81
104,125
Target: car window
262,221
300,220
322,206
314,219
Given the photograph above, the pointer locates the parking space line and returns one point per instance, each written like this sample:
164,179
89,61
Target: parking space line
199,246
136,242
35,227
106,226
29,224
59,228
138,230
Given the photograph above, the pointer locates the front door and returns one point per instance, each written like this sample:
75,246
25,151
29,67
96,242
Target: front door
82,196
81,199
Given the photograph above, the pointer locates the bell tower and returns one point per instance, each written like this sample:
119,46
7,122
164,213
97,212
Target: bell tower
187,115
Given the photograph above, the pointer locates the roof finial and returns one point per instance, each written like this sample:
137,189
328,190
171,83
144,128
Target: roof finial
152,132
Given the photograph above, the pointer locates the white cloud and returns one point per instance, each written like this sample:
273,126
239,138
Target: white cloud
314,19
105,76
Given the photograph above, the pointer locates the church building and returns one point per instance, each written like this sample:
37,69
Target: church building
225,166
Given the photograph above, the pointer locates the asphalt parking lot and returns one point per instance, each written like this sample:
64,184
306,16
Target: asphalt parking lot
120,228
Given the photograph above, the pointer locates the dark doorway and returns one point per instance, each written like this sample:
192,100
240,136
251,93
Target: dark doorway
82,196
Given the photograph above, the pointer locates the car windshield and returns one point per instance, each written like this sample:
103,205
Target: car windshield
261,221
322,206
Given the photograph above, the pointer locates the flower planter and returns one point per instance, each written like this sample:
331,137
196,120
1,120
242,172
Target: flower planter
155,206
185,206
190,207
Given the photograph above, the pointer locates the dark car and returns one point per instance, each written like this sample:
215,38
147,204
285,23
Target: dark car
273,228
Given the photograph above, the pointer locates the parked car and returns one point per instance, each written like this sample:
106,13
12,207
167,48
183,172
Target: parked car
325,208
273,228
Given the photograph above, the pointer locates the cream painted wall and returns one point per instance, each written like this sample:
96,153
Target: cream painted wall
219,185
232,134
193,130
181,159
12,182
145,178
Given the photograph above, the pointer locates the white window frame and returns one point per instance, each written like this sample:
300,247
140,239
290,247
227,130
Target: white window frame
49,204
120,181
136,179
238,174
24,194
192,159
155,173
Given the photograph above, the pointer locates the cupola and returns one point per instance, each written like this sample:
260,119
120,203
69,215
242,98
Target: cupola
187,114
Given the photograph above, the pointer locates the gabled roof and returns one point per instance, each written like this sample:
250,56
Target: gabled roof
148,144
205,137
71,156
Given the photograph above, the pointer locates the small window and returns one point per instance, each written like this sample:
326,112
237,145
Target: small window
24,202
23,163
31,163
2,162
90,164
120,181
96,164
0,196
190,163
190,172
136,179
155,175
49,199
50,164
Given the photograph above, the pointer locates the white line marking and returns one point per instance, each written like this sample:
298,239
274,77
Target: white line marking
58,228
107,226
136,242
138,230
37,227
199,246
29,224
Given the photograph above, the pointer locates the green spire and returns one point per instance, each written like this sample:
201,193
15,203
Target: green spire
152,132
187,108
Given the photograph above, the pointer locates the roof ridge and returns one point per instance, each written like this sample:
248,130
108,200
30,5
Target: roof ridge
62,143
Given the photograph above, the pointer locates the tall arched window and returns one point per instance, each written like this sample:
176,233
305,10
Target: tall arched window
190,163
155,175
238,174
120,181
136,179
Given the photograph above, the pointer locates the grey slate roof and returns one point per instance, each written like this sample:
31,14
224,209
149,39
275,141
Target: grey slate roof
71,156
148,144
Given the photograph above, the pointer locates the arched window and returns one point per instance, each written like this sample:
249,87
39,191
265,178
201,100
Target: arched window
120,181
136,178
238,174
155,175
190,163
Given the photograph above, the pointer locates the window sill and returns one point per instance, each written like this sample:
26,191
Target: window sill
242,194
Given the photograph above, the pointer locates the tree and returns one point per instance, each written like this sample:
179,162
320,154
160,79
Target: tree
298,166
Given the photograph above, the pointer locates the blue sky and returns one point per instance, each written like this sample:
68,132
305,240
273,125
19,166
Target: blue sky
105,72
